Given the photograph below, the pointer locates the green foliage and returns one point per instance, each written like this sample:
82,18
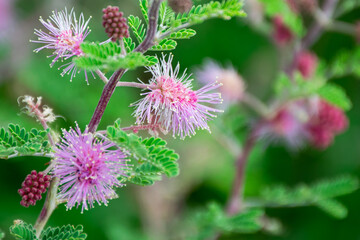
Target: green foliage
108,56
183,34
213,221
144,9
2,234
346,62
345,6
23,231
335,95
320,194
301,88
150,158
279,7
16,140
165,45
137,27
129,44
67,232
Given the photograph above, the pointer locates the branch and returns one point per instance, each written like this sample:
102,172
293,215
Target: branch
235,201
112,83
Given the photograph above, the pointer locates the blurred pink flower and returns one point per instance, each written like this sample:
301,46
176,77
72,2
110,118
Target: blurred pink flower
306,64
281,33
233,86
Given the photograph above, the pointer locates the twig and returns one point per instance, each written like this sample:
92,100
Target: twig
235,200
112,83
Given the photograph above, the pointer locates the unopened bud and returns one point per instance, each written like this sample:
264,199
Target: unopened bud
180,6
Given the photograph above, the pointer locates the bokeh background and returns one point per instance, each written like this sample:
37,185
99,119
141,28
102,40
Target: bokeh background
159,211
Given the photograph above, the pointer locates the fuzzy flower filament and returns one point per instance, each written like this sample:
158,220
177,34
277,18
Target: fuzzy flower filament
171,102
88,169
65,35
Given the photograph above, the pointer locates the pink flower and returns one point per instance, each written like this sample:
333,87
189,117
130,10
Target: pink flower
171,102
289,123
281,33
328,122
311,120
88,169
233,86
66,33
306,64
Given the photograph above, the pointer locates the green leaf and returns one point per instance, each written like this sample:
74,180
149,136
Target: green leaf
150,158
129,44
144,9
346,62
213,220
335,95
320,194
108,57
67,232
19,141
137,27
333,208
23,231
183,34
165,45
290,19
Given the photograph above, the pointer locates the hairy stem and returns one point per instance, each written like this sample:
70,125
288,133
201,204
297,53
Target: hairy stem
235,200
112,83
48,208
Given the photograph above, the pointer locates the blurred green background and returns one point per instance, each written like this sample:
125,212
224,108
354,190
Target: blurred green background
207,169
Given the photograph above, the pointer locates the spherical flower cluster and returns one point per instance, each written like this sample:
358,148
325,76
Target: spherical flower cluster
324,125
88,169
171,102
233,86
33,186
306,64
65,35
180,6
281,33
303,121
114,23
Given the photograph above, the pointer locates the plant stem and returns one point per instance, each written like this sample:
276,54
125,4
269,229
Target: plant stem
112,83
48,208
132,84
235,200
313,33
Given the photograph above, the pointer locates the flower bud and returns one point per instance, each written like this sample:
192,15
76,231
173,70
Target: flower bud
306,63
180,6
114,23
281,33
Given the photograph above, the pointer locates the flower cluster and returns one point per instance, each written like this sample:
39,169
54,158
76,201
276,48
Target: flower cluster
281,33
66,33
114,23
171,102
233,86
88,169
33,186
313,121
324,125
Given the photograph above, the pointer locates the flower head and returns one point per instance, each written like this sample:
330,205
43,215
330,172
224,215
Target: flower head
173,104
328,122
88,169
306,63
281,33
66,33
233,86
